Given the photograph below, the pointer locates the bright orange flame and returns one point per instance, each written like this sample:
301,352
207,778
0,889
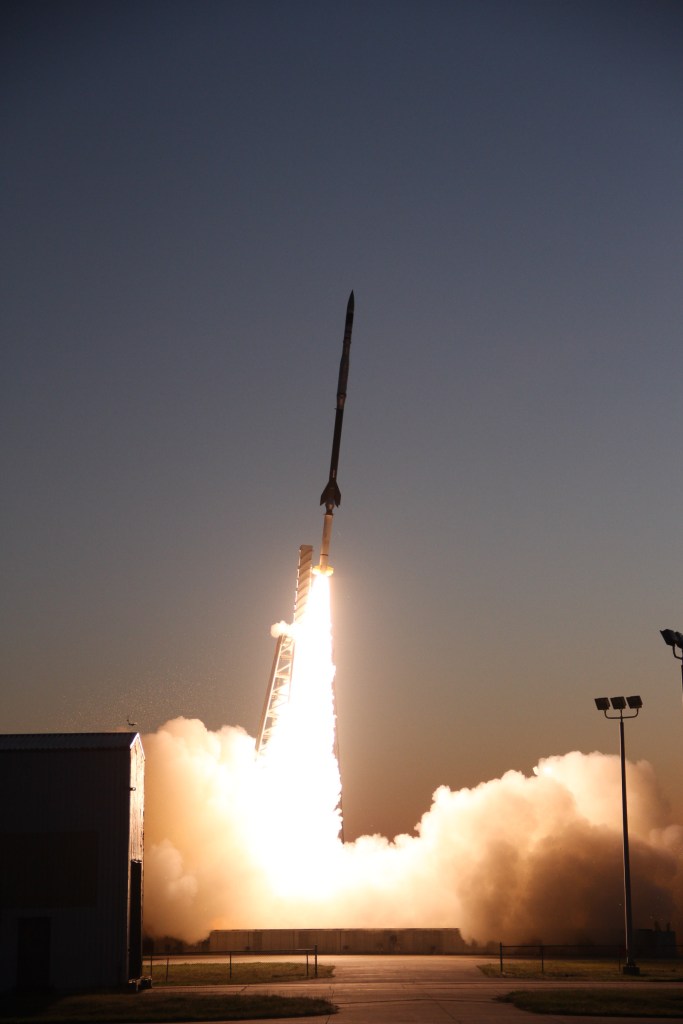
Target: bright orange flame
298,819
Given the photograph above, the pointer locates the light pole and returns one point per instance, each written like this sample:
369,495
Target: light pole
619,704
673,640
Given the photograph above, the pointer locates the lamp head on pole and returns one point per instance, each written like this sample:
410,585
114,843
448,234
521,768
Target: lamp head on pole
619,704
673,639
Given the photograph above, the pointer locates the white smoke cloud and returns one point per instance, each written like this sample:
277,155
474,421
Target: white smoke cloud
515,859
283,628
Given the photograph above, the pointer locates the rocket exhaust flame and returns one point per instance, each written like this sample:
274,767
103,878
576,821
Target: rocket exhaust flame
298,785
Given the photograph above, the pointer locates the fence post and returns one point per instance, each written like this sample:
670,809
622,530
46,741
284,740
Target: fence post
501,956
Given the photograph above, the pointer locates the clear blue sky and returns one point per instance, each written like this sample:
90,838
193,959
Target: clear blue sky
190,191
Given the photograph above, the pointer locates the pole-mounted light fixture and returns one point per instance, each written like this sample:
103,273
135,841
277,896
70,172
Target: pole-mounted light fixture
619,704
674,640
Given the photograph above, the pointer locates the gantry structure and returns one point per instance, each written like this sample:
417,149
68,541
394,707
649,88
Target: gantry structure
280,679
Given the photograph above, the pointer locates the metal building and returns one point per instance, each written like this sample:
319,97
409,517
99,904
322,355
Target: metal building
71,848
414,941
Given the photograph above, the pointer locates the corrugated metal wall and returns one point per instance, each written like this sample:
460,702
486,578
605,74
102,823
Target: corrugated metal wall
418,941
72,819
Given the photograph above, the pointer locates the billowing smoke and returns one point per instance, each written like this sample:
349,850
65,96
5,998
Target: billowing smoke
515,859
239,841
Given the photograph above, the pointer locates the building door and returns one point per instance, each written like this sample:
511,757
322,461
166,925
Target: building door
33,953
135,921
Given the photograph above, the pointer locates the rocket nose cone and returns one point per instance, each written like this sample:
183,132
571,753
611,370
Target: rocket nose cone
351,304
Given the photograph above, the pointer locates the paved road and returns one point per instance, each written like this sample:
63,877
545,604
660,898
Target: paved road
420,990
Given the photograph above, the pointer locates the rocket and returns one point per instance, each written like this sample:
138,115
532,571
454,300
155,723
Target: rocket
331,495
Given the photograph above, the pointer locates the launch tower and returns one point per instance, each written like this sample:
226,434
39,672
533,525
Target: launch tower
280,679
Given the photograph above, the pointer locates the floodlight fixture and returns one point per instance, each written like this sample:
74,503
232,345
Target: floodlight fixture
620,705
669,637
673,639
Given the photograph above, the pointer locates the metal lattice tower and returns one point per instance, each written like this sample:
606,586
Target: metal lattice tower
280,679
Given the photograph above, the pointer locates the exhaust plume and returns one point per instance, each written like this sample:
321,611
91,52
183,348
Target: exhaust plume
521,858
246,842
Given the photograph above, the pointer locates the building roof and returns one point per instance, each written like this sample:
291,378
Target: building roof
68,741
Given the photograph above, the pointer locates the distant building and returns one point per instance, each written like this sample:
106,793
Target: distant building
71,847
420,941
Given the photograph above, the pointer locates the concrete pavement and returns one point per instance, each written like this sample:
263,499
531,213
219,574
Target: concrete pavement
421,990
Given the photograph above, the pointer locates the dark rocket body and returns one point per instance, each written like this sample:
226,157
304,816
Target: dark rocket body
331,496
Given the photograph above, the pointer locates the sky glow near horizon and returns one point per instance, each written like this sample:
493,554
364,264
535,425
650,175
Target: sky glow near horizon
190,195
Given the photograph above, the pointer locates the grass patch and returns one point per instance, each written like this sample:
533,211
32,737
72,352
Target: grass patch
244,972
631,1002
590,970
149,1007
